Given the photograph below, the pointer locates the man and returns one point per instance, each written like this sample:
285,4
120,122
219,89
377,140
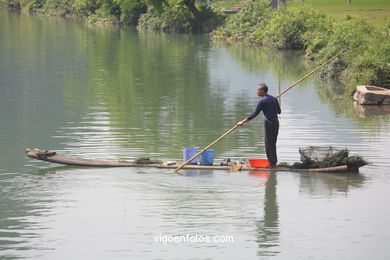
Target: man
270,107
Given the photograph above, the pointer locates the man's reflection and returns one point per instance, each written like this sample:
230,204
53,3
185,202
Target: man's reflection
268,226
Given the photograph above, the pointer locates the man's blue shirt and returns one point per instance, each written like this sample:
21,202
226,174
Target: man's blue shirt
270,107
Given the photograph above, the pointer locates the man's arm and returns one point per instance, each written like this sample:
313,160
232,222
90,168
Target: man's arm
251,115
255,112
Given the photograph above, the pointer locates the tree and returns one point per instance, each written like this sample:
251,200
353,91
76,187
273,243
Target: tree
190,4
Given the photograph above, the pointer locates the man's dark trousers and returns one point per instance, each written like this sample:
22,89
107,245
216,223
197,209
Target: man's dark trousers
271,135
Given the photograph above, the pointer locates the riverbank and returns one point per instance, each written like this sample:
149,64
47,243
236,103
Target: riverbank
297,27
321,36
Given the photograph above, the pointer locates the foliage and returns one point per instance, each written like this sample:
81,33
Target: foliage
6,3
286,29
371,62
130,10
60,7
31,4
85,7
368,61
166,15
211,19
241,26
256,23
177,19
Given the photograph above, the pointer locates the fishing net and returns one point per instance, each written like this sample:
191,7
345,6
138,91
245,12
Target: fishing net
322,157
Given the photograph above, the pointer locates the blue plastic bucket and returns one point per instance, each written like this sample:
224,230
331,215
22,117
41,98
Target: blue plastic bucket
207,157
189,152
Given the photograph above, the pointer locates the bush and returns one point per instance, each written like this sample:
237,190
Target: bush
370,63
211,19
257,23
130,10
59,7
85,7
176,19
31,5
241,26
8,3
289,29
346,33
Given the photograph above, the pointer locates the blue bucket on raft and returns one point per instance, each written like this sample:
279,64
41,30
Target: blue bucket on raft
189,152
207,157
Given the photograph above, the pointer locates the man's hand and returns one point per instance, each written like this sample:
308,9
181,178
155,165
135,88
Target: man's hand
242,122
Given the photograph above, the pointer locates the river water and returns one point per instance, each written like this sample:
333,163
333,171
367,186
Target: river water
114,93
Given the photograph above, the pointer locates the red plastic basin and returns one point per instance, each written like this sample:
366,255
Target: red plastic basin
258,163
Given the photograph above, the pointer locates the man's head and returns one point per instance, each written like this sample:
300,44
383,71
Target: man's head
262,90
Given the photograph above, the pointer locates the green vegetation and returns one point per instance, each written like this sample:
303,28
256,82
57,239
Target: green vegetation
178,18
320,36
375,12
164,15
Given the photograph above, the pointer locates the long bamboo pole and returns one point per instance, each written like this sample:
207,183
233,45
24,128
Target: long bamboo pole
278,95
311,72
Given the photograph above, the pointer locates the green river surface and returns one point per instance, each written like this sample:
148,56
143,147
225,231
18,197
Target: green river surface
114,93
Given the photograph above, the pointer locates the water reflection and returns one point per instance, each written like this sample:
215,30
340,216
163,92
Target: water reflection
320,184
332,94
163,97
268,226
372,110
22,208
114,93
193,173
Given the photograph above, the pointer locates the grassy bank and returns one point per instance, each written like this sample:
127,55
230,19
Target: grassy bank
321,36
375,12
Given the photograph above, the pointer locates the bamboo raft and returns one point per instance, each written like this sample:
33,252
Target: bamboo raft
50,156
